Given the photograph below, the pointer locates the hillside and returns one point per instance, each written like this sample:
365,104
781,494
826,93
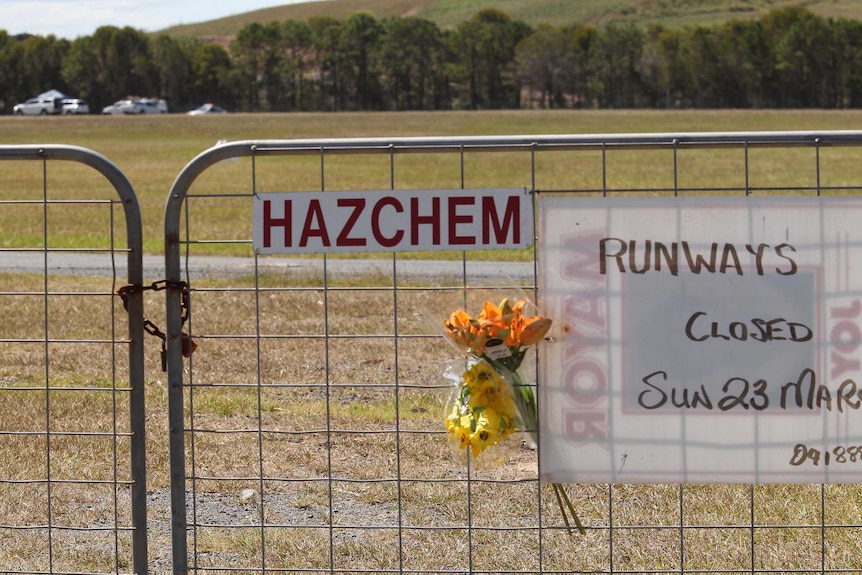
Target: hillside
448,13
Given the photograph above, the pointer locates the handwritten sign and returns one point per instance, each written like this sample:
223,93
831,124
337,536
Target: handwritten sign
701,339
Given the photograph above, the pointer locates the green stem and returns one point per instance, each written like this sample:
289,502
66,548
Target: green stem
528,410
525,401
560,489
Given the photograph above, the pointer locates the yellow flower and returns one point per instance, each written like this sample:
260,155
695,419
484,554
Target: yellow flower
458,426
489,389
487,432
484,412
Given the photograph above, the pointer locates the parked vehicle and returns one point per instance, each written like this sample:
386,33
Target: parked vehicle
207,109
143,106
120,107
154,106
39,107
75,106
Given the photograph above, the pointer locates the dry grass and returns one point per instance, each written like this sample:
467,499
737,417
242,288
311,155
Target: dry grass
340,488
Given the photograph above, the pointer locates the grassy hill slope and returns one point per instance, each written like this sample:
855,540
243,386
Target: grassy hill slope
448,13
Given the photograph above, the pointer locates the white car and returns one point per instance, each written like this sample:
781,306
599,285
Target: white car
131,107
38,107
207,109
75,106
152,106
120,107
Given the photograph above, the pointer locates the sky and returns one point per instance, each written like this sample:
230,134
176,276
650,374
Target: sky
73,18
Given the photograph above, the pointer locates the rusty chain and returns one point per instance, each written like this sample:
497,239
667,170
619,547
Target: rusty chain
188,343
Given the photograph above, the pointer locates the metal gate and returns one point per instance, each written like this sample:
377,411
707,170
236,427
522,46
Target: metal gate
72,463
307,429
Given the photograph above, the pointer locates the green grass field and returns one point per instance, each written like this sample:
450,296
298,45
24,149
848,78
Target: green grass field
448,13
152,150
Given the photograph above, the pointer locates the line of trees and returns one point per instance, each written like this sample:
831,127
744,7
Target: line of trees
790,58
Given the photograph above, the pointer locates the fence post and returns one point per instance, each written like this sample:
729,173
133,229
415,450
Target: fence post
173,353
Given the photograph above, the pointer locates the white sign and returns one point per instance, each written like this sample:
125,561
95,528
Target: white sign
404,220
701,340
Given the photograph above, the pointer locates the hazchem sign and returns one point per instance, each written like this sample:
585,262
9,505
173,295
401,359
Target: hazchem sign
701,339
414,220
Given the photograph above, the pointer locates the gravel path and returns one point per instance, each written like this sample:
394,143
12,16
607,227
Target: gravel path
100,264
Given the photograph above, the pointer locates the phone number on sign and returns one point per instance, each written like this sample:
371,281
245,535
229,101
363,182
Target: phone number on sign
802,454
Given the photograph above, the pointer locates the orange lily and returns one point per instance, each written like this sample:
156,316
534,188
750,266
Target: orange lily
464,332
534,329
506,322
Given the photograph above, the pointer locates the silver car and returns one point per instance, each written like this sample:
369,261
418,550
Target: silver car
152,106
132,107
75,106
207,109
38,107
120,107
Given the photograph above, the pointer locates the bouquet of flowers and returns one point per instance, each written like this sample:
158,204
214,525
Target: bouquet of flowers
491,399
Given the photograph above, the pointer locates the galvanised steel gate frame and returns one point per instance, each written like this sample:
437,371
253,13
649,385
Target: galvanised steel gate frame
615,533
133,300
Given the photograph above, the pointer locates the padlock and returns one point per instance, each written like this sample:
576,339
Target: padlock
189,345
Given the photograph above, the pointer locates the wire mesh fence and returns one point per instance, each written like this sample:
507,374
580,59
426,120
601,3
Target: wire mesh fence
306,432
72,467
307,429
